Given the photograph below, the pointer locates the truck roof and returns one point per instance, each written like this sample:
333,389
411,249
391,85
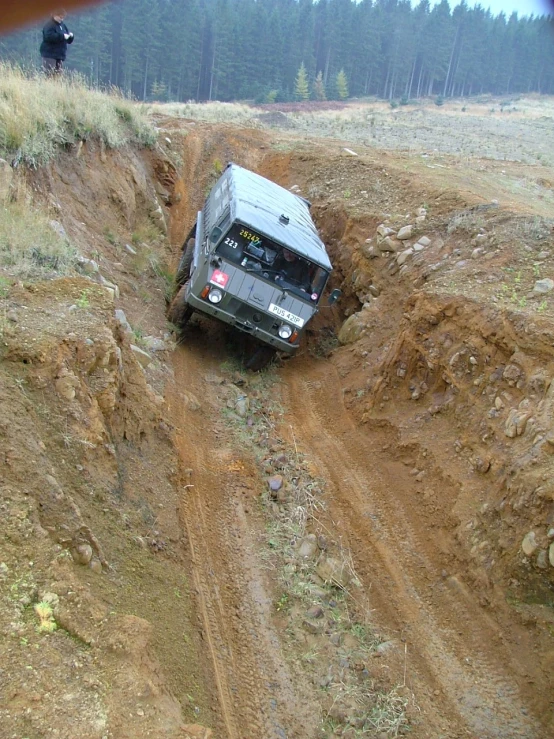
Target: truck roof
265,206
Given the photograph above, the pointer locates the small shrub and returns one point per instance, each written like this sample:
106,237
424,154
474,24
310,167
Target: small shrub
110,236
29,245
394,104
439,100
83,301
46,617
4,287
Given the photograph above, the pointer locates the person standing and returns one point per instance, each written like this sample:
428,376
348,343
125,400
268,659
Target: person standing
55,38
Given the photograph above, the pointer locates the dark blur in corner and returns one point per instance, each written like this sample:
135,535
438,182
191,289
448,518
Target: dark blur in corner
17,13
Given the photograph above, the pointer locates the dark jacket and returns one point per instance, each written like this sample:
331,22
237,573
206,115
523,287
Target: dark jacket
54,45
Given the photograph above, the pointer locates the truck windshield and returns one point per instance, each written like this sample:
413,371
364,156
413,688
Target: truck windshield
268,260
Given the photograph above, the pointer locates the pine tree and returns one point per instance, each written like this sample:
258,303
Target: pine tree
341,83
237,49
301,88
319,87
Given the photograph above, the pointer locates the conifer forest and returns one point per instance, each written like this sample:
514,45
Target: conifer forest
282,50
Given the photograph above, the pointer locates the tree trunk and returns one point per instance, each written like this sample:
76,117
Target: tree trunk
145,84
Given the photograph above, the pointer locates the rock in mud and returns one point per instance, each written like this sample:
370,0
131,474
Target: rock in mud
275,483
311,627
87,266
121,318
82,554
66,385
384,231
389,244
242,406
529,544
481,465
154,344
512,373
371,251
110,286
332,571
405,233
516,423
543,286
143,357
307,547
314,612
352,329
403,256
551,554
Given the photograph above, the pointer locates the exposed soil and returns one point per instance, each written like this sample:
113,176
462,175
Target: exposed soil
415,453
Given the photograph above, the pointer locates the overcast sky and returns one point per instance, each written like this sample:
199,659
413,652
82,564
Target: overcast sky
522,7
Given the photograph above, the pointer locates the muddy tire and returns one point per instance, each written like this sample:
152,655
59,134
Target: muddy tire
179,311
183,270
260,358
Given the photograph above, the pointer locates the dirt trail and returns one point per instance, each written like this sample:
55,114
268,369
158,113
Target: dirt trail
465,664
451,645
258,696
455,661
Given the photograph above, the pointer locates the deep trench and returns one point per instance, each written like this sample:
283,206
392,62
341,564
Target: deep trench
393,434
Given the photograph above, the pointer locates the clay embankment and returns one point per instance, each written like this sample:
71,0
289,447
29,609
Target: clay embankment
426,434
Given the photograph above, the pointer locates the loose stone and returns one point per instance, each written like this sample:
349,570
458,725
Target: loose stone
529,544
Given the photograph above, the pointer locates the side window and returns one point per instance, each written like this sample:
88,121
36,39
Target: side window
231,246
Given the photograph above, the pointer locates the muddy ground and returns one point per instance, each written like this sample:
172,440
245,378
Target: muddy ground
356,542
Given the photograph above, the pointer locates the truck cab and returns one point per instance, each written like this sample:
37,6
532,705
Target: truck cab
254,260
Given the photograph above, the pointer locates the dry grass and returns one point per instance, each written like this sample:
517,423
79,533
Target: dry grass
30,245
214,112
39,115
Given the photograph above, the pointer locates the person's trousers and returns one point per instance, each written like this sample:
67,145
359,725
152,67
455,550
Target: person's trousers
51,67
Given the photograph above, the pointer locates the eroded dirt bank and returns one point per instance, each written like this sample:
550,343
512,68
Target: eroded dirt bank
396,573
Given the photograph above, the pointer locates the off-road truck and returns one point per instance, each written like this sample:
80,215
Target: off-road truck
254,260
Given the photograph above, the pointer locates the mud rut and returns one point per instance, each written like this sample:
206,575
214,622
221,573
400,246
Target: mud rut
464,680
257,694
461,675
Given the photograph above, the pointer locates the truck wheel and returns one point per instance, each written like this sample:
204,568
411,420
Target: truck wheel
183,270
179,311
260,359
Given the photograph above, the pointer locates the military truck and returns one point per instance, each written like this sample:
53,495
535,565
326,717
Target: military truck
254,260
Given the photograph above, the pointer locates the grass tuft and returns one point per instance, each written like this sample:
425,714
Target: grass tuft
29,244
38,116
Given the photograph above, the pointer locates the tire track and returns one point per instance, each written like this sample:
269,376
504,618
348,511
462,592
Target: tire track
368,499
258,695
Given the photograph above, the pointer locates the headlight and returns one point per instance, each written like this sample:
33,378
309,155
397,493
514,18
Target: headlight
285,332
215,295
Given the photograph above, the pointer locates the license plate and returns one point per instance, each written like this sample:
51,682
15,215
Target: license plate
285,315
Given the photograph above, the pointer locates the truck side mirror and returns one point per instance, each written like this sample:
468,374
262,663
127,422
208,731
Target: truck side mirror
334,296
215,234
